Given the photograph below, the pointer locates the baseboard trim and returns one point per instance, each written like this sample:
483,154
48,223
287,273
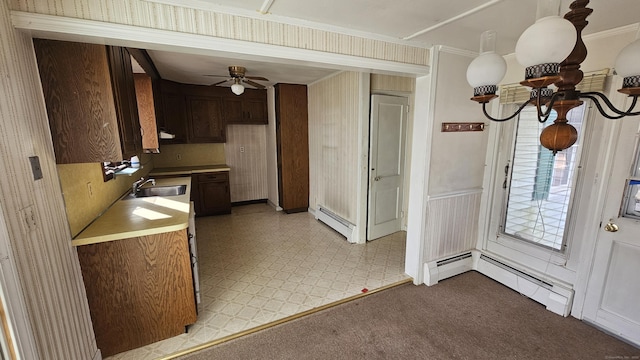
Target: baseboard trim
249,202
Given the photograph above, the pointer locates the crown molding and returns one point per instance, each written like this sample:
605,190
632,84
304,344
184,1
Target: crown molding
456,51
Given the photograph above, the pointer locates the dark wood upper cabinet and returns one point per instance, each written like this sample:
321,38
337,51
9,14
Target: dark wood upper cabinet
205,119
249,108
124,94
292,141
200,114
174,112
77,87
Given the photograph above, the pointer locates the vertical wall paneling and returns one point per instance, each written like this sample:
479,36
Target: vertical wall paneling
46,263
271,150
158,15
452,224
334,146
246,156
385,83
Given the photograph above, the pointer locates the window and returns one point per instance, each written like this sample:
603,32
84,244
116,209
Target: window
539,190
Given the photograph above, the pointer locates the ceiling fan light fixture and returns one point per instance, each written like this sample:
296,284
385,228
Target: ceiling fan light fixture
237,88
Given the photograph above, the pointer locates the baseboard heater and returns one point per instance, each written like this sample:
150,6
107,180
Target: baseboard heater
445,268
335,222
555,297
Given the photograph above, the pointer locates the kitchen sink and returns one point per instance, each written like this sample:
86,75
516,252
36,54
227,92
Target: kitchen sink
162,191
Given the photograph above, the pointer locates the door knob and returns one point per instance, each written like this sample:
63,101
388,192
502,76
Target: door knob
611,227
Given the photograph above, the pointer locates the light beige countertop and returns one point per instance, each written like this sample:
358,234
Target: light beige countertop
188,170
132,217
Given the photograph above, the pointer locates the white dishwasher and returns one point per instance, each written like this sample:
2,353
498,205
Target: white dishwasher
193,249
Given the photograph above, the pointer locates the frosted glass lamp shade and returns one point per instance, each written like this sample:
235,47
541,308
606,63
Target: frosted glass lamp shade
237,89
487,69
628,61
549,40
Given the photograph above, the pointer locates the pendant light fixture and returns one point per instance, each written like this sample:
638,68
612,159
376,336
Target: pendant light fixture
552,50
237,88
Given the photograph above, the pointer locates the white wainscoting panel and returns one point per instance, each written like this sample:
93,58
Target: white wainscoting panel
333,144
452,224
47,264
248,176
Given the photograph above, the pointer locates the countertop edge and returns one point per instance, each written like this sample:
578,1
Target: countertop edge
117,222
128,234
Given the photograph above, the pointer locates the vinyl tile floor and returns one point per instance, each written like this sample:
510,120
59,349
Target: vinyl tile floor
258,265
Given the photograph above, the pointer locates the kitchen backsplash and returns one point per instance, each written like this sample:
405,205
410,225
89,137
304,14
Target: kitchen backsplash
86,195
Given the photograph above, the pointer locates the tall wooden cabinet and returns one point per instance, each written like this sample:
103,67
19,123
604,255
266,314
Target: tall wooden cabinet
292,146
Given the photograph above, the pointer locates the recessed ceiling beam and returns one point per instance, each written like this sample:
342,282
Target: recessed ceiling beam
455,18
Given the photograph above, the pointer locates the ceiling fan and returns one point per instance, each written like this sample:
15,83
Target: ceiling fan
237,75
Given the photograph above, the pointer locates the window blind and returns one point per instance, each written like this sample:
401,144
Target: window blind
518,94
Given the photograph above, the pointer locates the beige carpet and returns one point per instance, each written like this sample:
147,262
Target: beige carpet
466,317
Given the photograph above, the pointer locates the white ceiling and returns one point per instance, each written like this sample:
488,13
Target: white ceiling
425,23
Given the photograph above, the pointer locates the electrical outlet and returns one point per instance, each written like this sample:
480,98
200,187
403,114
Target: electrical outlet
241,149
178,157
90,190
28,218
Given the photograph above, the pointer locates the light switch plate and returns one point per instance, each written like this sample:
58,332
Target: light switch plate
35,167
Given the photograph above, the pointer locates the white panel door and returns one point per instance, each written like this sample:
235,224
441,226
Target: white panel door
386,164
613,293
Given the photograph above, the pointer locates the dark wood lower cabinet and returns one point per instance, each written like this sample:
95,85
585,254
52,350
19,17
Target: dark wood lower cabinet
140,290
213,196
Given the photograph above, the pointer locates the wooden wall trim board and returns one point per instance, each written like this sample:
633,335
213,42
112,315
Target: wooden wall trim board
46,264
146,111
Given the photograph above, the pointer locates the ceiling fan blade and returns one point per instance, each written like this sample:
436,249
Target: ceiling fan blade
256,78
221,82
215,75
253,83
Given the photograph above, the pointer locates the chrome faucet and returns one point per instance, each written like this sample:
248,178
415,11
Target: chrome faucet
138,184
